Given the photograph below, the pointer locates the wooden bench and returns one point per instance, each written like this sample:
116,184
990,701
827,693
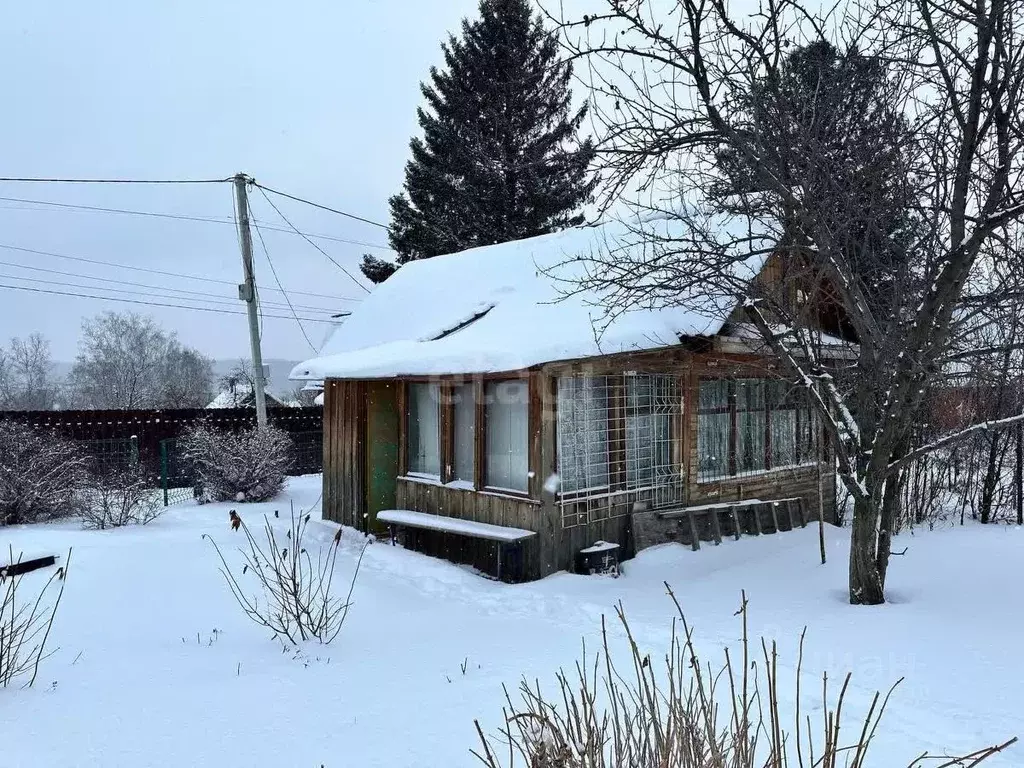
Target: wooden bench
726,516
503,536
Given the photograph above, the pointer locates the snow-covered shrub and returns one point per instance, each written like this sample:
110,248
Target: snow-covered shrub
26,620
41,475
243,466
123,496
292,595
679,710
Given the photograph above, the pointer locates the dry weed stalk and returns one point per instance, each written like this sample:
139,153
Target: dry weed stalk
297,599
685,715
25,625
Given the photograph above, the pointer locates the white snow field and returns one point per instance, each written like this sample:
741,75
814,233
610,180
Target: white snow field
157,666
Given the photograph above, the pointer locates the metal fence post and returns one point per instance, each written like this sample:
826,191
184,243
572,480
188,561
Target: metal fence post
163,468
135,450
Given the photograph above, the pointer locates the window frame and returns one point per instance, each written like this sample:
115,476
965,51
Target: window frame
804,455
482,437
407,432
617,416
447,436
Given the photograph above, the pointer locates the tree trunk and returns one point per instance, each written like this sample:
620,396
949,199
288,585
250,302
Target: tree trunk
867,585
992,472
1019,474
890,508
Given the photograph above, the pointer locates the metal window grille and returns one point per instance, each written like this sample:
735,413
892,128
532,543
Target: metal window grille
617,444
748,426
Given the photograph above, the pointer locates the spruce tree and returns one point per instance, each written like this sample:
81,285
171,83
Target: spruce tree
499,158
831,112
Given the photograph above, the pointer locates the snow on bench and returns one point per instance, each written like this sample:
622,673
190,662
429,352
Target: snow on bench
453,525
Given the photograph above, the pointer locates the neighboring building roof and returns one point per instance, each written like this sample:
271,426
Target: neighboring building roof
514,305
242,396
226,399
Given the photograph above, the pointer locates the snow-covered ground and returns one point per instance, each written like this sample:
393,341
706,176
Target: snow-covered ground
157,666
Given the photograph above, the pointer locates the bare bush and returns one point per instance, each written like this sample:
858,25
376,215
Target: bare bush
41,475
684,715
294,595
25,624
119,497
244,466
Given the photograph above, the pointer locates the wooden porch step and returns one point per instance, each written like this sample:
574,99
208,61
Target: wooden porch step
709,522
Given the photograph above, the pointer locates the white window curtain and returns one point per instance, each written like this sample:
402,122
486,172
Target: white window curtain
583,433
464,408
423,430
713,428
784,437
750,425
507,435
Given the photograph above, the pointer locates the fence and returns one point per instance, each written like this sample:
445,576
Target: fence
117,439
177,482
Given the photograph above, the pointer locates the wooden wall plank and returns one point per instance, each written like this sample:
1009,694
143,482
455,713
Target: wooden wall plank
330,510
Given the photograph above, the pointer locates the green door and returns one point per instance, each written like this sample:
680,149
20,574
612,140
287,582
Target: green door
381,448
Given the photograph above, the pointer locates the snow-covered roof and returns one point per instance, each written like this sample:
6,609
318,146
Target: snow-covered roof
505,307
241,395
228,399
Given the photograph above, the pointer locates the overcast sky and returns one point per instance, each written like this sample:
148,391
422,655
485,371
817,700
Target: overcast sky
313,97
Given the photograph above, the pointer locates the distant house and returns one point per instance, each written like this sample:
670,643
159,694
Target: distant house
239,394
472,405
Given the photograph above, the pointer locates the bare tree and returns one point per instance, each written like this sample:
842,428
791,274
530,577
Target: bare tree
127,361
695,99
306,398
187,378
26,375
241,376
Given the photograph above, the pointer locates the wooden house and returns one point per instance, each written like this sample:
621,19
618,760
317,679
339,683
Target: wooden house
494,416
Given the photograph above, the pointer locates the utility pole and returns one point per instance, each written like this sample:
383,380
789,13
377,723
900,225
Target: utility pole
247,293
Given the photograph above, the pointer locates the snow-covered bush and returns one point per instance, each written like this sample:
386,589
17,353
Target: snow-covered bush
123,496
25,621
41,475
293,595
683,712
243,466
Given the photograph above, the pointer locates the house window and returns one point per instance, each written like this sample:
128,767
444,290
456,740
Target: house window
784,403
583,462
507,435
713,428
464,432
651,403
423,430
751,418
617,439
746,426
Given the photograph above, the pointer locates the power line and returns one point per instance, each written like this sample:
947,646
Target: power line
329,257
155,271
146,303
64,284
318,205
218,299
176,216
273,271
39,180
